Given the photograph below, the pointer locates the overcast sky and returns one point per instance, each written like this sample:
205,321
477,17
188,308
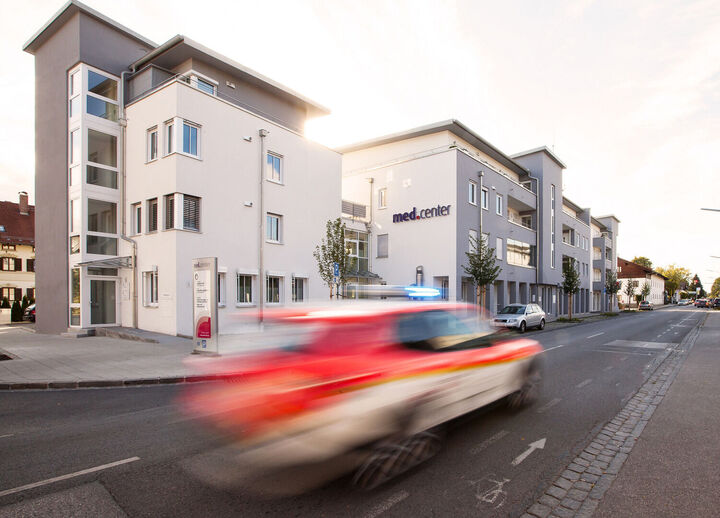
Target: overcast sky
626,93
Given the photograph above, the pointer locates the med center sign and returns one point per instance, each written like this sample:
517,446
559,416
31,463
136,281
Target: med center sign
414,214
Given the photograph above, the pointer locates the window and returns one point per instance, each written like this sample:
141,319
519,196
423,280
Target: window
244,289
102,177
30,265
221,288
190,139
552,226
499,248
102,97
484,198
382,198
75,286
274,168
75,216
101,245
137,218
357,246
191,212
299,289
102,216
273,231
205,86
101,85
7,247
75,85
520,254
498,204
169,211
102,108
272,290
150,288
12,294
472,241
382,245
472,192
75,146
74,245
102,148
152,223
152,144
31,293
11,264
169,138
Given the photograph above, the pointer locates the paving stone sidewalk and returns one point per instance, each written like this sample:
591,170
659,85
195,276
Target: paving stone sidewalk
580,489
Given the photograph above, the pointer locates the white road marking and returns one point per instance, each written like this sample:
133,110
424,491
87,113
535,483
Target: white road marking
551,348
548,405
623,358
487,442
583,383
65,477
596,334
537,445
6,435
387,504
638,344
619,352
608,368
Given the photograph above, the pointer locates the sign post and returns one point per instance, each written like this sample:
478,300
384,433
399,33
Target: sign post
336,278
205,322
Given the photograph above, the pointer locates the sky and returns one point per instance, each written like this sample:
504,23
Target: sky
626,93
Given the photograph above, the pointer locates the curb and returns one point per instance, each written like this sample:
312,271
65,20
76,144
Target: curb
579,489
173,380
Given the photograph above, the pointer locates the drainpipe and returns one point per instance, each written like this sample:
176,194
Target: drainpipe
123,202
481,174
538,239
369,225
261,227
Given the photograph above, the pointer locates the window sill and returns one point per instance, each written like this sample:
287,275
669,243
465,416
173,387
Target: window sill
382,208
182,153
245,304
221,305
273,242
153,305
473,204
151,161
277,182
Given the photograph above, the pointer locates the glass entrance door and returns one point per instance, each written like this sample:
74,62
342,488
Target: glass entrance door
102,302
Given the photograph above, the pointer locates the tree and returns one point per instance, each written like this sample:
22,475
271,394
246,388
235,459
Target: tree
697,283
481,267
677,277
642,261
715,290
612,285
5,303
332,250
645,290
25,303
16,312
571,282
629,291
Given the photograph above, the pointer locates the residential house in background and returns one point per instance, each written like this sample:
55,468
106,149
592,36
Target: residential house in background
638,275
17,253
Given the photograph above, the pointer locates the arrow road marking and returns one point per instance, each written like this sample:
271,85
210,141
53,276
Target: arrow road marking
537,445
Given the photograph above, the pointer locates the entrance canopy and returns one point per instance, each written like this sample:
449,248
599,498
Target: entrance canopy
111,262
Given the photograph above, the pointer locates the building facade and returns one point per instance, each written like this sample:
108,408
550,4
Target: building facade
159,154
639,275
17,249
425,193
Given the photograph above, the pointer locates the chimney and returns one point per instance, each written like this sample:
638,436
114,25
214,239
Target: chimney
23,204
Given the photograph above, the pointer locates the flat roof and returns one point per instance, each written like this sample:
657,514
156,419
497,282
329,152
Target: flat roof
180,47
65,13
541,149
609,216
453,126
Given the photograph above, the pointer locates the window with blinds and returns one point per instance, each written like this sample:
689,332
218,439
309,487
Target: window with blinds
169,211
191,212
382,245
353,209
152,215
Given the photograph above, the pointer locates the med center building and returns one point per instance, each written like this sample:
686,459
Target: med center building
151,155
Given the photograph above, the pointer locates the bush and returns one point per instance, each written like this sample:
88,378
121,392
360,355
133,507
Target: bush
25,303
16,313
563,319
5,303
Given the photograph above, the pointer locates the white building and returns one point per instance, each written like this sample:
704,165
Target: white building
638,275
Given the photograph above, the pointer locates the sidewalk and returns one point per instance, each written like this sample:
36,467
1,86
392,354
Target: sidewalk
673,468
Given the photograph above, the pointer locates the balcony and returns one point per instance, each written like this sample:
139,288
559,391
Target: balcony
521,213
602,242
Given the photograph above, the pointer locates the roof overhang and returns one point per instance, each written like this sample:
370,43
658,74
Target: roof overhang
455,127
66,12
541,149
111,262
180,48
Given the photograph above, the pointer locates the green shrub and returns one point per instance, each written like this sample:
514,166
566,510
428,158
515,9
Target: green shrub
16,313
563,319
5,303
25,302
610,314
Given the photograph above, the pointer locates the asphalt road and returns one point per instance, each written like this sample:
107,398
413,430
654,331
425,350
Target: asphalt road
591,370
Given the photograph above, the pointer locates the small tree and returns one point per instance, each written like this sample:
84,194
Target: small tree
16,313
571,283
481,267
332,250
5,303
645,290
629,291
612,285
642,261
25,303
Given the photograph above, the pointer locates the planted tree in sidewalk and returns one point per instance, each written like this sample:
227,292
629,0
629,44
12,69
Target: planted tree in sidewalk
715,290
629,291
481,267
332,250
645,290
612,285
571,283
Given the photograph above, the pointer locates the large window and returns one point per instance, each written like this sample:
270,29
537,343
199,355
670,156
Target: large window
152,223
299,289
102,216
244,289
191,134
472,192
11,264
150,288
102,148
272,289
274,167
273,228
191,212
102,97
101,245
357,246
101,177
382,245
519,253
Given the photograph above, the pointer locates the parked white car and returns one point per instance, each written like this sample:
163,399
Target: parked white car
520,317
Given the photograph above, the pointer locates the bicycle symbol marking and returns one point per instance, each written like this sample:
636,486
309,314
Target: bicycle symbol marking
490,491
